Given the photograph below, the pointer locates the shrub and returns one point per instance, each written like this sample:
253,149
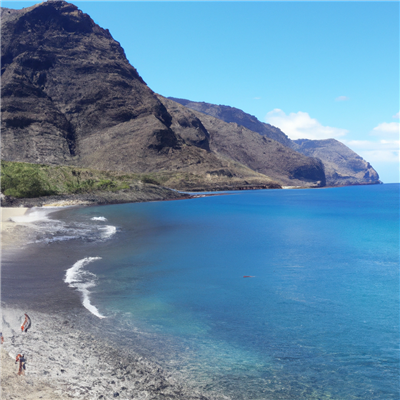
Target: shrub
24,180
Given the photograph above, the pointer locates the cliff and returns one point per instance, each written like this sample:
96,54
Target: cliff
70,97
342,165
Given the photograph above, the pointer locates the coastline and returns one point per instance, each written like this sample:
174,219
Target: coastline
65,361
72,353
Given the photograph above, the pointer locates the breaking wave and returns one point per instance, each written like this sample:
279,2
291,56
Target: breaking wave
81,280
99,219
42,229
107,231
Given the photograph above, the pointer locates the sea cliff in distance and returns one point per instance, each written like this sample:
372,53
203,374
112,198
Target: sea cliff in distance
342,165
71,98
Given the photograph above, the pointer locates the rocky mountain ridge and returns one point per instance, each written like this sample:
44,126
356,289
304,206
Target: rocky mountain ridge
70,97
342,165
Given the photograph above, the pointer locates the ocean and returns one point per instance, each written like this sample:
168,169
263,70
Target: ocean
267,294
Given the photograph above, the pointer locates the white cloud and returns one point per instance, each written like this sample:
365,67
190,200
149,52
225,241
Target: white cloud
301,126
342,98
386,151
257,98
386,128
396,116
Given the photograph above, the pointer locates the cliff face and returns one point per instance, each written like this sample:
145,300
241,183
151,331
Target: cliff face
232,114
70,96
342,165
259,153
65,81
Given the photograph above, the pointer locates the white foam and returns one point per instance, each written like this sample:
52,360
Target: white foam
40,228
32,215
82,280
99,219
108,231
56,239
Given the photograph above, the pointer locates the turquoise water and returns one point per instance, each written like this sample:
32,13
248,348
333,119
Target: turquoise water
318,319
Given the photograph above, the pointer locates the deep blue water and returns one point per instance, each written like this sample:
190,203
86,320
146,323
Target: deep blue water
318,319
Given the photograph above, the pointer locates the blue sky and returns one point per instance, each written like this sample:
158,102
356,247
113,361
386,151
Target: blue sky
315,69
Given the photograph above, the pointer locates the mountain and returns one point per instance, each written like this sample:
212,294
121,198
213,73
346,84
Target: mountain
342,165
232,114
70,97
259,153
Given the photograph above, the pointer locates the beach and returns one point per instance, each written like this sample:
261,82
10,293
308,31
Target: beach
66,362
9,234
69,355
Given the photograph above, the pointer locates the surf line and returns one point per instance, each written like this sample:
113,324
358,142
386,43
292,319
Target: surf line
81,280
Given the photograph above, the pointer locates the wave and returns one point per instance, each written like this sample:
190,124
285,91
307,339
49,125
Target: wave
40,228
107,231
99,219
81,280
33,215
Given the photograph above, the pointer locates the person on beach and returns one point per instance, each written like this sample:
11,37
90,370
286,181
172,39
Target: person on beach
22,362
1,339
27,324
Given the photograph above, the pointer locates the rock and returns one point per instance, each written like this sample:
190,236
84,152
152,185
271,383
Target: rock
259,153
342,166
70,96
235,115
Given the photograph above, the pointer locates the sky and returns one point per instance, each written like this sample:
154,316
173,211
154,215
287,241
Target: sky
315,69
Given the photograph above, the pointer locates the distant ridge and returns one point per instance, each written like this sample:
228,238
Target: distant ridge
232,114
342,165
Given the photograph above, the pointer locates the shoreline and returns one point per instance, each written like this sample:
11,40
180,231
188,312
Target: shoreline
7,227
64,361
72,353
9,212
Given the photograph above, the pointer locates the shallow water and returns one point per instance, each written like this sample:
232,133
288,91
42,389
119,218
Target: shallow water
317,318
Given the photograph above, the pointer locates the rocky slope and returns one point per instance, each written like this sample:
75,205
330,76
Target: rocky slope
342,165
259,153
70,97
232,114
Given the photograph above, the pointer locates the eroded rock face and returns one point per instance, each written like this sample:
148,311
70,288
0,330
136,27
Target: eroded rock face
65,80
262,154
70,96
232,114
342,165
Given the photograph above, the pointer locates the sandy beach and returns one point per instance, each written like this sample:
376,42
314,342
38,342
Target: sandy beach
8,232
9,212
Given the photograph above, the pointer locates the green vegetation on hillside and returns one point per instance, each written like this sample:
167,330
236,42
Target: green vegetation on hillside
25,180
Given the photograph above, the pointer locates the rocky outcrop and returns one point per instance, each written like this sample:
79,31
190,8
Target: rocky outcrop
70,97
342,165
232,114
259,153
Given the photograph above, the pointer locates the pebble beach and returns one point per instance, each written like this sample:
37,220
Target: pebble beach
68,354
